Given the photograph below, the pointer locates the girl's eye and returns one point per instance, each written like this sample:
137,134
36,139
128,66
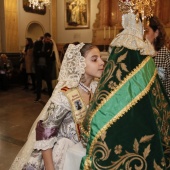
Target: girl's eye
94,58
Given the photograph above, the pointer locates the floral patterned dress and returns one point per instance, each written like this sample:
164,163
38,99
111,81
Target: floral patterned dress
58,132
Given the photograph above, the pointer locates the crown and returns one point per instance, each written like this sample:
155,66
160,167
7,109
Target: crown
142,8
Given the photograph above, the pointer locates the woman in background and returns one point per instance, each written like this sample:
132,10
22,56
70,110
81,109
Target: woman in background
28,61
155,33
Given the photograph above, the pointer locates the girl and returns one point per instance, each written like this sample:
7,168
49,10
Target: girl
58,124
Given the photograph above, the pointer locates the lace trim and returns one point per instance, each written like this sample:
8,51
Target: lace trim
73,66
45,144
132,36
93,86
133,42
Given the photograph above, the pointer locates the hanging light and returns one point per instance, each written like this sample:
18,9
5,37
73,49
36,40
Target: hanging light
39,3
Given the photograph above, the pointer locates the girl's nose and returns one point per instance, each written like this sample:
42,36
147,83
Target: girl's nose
101,62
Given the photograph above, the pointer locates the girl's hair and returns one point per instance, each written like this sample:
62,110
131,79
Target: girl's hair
155,24
86,48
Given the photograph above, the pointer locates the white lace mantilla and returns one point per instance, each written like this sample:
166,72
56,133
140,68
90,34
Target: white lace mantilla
73,66
132,36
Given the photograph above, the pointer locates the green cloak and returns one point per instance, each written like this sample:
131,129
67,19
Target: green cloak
127,125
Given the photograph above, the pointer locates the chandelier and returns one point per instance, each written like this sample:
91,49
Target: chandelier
38,3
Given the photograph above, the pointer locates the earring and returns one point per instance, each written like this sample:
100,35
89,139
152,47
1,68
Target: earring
83,78
155,39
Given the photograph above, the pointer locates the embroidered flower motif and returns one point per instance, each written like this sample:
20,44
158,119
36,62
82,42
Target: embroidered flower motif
112,85
118,149
163,162
154,92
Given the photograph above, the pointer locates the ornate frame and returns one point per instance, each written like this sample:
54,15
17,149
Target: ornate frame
77,14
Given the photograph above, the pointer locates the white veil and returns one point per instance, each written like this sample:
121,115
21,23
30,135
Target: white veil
57,62
132,36
72,68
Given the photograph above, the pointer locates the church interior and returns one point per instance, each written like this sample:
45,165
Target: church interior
18,20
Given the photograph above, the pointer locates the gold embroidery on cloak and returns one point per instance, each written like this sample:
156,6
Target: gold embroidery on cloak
162,121
125,158
127,78
126,108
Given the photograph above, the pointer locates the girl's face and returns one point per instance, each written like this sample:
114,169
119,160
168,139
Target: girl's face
150,34
94,64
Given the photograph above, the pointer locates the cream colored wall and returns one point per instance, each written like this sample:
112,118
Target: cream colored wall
47,22
81,35
1,25
14,22
26,18
10,25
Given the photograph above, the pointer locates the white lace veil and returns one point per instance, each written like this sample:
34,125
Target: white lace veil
72,68
132,36
57,62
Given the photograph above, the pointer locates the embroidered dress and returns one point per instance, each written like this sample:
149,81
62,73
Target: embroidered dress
61,122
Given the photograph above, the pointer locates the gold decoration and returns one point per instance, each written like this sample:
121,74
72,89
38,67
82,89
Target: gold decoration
125,109
125,157
142,8
39,3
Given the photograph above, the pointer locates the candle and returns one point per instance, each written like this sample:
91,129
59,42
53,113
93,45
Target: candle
114,31
109,32
104,33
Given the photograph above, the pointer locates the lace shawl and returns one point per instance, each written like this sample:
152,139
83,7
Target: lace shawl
132,36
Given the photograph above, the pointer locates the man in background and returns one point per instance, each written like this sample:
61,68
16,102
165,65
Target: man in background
43,58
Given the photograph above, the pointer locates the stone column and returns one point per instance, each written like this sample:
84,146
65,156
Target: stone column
2,27
11,25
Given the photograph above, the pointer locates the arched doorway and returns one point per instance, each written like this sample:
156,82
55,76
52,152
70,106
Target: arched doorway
34,31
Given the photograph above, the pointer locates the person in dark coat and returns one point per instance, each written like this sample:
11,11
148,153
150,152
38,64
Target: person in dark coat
43,58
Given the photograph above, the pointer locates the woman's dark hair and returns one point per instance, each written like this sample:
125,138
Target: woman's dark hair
86,48
155,24
29,45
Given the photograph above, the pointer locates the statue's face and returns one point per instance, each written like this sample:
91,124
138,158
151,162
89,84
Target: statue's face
150,34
